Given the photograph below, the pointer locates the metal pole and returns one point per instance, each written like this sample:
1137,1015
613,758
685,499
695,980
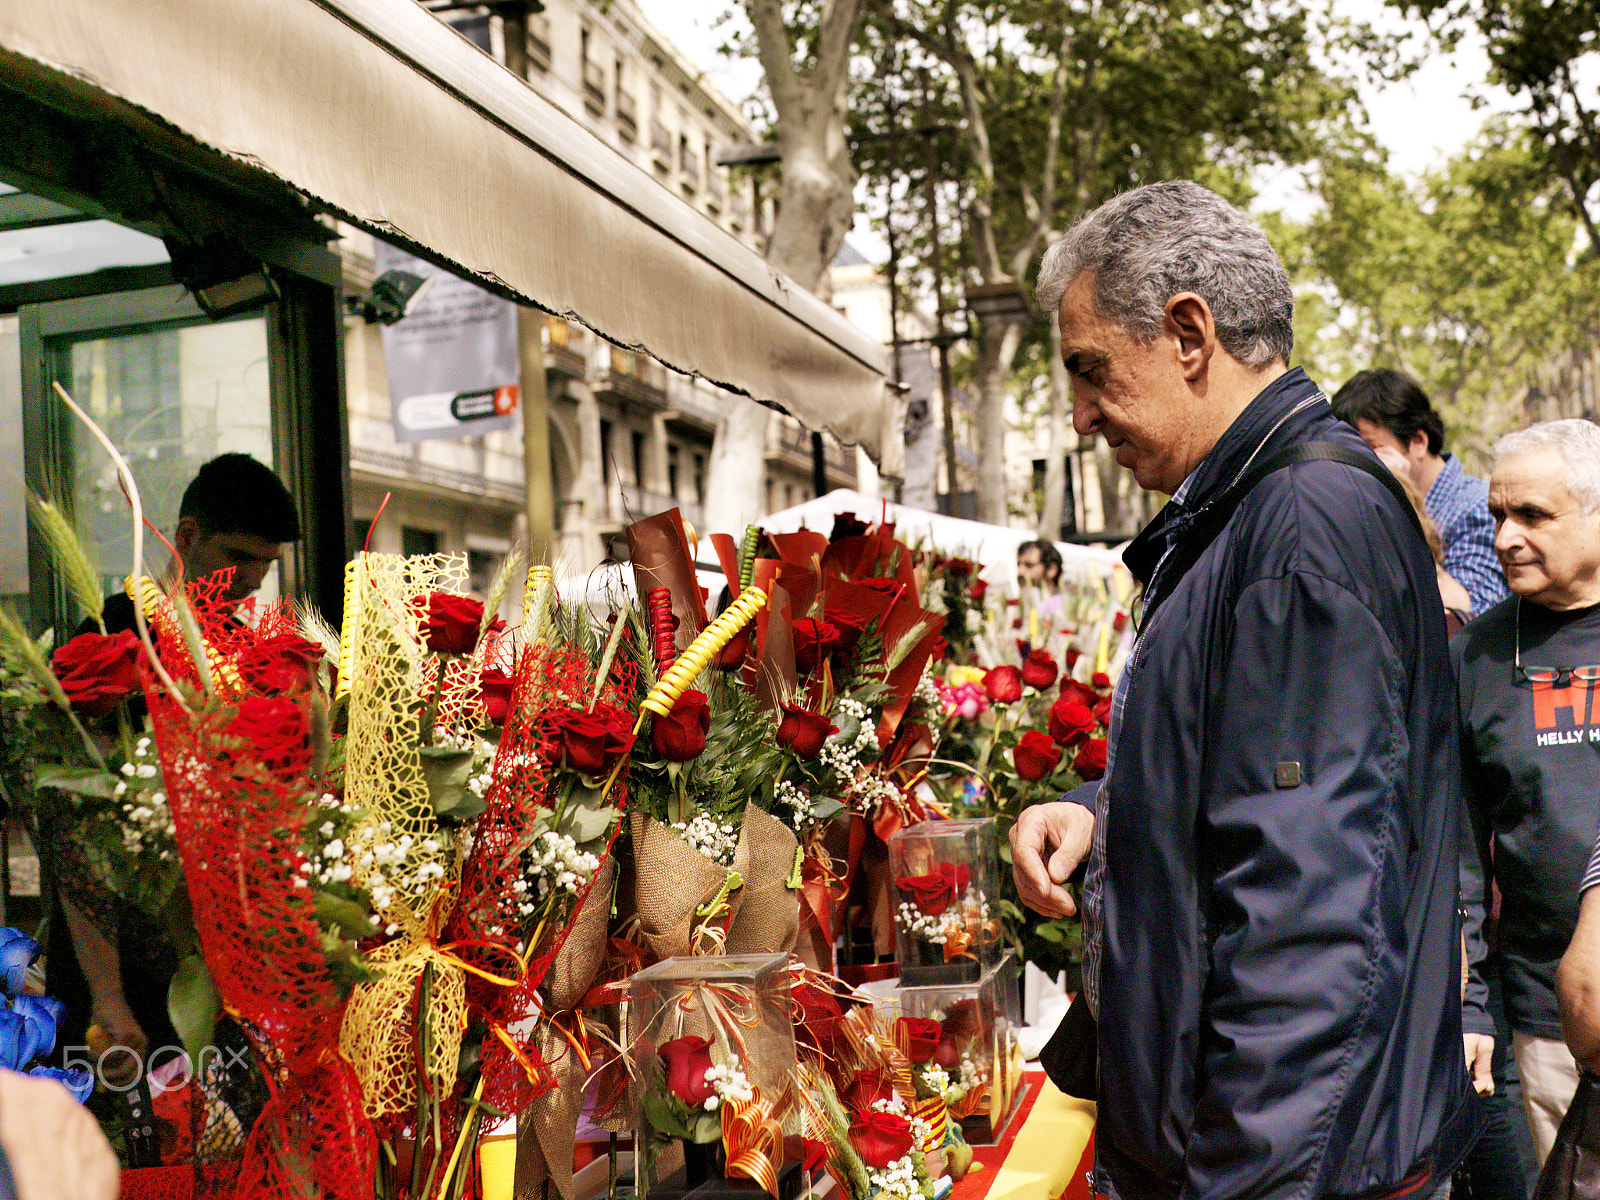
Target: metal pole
819,465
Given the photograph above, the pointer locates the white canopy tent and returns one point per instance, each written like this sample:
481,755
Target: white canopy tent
375,112
994,547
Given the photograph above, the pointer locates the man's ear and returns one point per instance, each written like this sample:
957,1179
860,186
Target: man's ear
1188,322
183,537
1418,444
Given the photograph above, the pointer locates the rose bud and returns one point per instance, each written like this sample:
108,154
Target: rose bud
494,689
97,671
589,743
976,590
1070,721
1119,622
1035,756
947,1055
1072,658
1039,670
849,627
803,731
681,734
1072,689
450,623
1003,684
1091,760
1100,679
918,1036
275,732
732,656
880,1138
688,1059
813,641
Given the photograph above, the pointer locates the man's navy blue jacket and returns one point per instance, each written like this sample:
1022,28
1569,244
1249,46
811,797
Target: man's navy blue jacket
1280,1010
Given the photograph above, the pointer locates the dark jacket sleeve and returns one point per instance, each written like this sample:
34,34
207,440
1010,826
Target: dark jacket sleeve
1475,869
1300,835
1086,794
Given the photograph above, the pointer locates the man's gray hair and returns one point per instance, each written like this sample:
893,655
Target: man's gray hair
1578,441
1147,245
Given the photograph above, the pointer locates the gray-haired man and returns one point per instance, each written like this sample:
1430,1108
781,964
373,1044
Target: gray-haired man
1272,942
1528,676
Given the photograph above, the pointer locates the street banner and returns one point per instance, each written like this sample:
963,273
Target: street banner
452,359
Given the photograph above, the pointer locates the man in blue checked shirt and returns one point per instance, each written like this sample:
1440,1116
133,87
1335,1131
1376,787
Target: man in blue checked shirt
1394,416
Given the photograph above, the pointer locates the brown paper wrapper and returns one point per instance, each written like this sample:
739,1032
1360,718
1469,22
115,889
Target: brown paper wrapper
661,558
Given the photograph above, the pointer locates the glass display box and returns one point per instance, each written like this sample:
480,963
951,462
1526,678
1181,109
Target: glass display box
714,1039
946,901
974,1063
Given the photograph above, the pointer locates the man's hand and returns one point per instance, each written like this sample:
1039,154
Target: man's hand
117,1027
55,1149
1479,1047
1062,831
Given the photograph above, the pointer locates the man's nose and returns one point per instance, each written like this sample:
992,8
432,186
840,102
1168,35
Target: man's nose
1086,417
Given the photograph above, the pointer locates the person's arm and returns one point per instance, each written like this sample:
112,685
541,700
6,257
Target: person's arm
1470,560
1578,978
1048,843
97,956
1300,802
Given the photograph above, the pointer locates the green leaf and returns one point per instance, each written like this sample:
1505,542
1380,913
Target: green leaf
447,770
193,1005
659,1116
585,824
823,807
346,916
1050,931
81,781
706,1128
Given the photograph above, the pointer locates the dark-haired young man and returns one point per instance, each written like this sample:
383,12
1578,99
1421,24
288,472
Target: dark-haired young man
114,971
1393,415
234,513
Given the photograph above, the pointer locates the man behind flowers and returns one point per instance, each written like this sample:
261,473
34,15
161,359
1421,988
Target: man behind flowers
1271,939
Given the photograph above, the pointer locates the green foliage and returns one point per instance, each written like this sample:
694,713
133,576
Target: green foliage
193,1004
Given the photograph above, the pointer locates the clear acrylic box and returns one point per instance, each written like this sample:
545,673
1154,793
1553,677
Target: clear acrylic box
944,876
976,1063
709,1033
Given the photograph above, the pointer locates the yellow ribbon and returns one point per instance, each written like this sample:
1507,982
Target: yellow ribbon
751,1138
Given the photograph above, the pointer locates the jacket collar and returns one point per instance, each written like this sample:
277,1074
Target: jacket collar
1256,428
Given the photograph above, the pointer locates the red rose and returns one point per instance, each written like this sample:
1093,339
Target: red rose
734,653
1119,622
1100,679
1035,756
803,731
938,889
963,1019
813,641
813,1153
1072,658
976,590
1004,684
880,1137
276,731
919,1035
1072,689
847,525
947,1055
882,585
1102,711
494,689
589,743
450,625
866,1089
281,663
1091,760
959,566
688,1059
849,627
96,671
681,734
1039,670
1070,721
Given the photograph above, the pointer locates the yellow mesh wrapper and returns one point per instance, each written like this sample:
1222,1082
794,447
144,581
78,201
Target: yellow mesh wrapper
379,1034
389,676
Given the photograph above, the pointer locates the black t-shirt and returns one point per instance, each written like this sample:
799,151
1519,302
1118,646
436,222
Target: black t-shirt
1531,763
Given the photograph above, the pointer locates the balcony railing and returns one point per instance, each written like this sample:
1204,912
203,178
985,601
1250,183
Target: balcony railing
661,142
627,114
594,89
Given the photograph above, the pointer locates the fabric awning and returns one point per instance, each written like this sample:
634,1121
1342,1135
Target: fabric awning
377,113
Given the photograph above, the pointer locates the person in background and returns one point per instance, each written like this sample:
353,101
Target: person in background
1527,673
1039,567
1394,416
108,964
1271,939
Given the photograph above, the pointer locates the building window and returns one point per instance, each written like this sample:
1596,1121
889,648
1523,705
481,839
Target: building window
627,106
418,541
672,471
639,472
481,566
699,478
607,467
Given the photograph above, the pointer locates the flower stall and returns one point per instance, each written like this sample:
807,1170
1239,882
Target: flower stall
449,889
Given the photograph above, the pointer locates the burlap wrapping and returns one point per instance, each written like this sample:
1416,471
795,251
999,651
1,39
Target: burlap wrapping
766,911
544,1128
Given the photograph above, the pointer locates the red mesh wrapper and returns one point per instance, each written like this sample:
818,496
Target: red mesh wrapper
239,810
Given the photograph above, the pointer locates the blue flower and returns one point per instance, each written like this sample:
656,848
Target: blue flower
42,1014
75,1079
17,952
15,1039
